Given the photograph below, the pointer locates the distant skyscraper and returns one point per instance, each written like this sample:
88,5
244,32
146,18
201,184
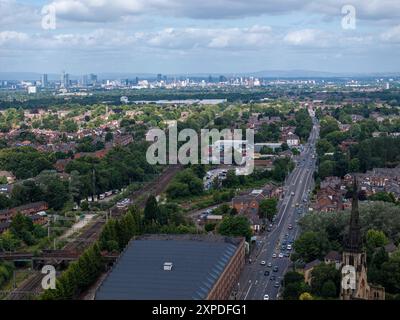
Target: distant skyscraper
387,85
44,80
85,81
159,77
93,79
64,80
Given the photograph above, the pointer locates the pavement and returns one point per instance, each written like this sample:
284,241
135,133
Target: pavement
253,284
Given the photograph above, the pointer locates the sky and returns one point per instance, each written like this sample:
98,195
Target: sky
199,36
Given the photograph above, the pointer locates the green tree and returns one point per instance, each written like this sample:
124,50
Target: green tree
311,245
268,208
322,274
151,210
235,226
329,289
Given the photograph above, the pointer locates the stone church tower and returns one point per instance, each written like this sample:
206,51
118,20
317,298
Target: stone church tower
354,256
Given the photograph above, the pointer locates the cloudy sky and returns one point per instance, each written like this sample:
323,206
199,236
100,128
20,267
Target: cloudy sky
192,36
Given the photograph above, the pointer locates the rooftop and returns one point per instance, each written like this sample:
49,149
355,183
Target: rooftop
197,260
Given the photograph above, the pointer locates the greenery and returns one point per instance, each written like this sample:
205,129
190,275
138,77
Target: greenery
268,208
236,226
380,224
24,162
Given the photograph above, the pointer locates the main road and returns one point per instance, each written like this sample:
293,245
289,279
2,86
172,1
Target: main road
255,283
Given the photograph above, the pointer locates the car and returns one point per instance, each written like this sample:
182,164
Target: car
292,193
266,273
281,255
275,269
269,229
269,265
305,200
290,227
266,297
289,247
274,255
283,247
272,278
262,263
277,284
287,254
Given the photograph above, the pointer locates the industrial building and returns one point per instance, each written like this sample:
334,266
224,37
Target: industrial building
181,267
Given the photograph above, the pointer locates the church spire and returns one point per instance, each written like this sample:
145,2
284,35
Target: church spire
353,241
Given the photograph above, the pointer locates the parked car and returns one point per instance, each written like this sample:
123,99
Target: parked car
266,273
275,269
262,263
266,297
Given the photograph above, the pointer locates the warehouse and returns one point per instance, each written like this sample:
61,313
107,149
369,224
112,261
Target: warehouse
181,267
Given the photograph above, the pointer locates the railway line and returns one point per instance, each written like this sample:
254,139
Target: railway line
32,286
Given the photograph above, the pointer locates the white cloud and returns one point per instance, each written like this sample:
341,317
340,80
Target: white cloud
251,38
111,10
10,38
13,13
392,35
304,37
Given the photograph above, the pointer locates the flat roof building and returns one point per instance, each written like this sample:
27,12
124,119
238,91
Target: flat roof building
181,267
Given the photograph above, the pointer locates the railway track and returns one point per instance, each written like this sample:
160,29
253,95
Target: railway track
29,288
32,286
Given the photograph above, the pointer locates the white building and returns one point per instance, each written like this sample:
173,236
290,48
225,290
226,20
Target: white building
292,140
32,89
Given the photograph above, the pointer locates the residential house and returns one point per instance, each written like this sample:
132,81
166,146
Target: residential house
308,268
334,257
9,176
26,210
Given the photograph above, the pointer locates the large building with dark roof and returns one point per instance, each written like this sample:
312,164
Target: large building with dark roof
181,267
